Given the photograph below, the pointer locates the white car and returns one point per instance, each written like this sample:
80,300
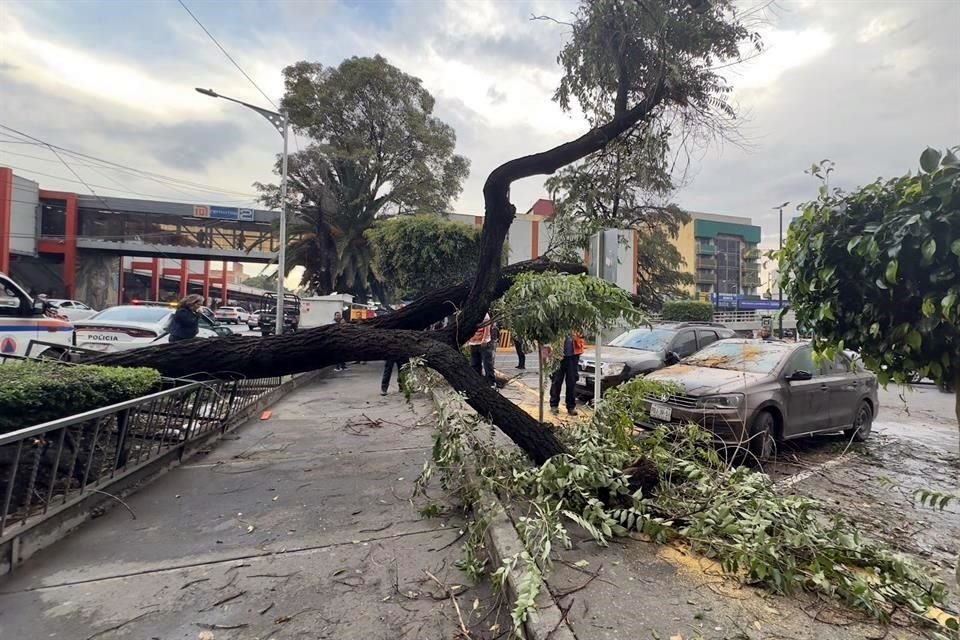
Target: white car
72,309
253,320
130,326
232,315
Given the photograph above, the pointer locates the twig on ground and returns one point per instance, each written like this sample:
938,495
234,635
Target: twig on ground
267,608
204,625
119,626
273,575
126,506
225,600
456,605
244,453
193,582
567,592
285,619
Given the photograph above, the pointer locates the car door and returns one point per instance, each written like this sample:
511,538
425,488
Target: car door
845,388
705,337
684,343
807,401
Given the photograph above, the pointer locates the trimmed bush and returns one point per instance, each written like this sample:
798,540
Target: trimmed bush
687,311
33,392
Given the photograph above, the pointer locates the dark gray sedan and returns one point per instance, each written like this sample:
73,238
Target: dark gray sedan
757,393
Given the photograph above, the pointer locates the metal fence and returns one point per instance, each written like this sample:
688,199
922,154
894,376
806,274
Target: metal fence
52,465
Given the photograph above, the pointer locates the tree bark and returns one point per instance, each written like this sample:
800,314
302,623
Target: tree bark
257,357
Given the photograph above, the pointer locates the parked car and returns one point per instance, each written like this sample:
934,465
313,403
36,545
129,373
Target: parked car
22,321
756,393
231,315
253,320
129,326
72,309
640,351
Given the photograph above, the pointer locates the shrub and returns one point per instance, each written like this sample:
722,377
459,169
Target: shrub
34,392
687,311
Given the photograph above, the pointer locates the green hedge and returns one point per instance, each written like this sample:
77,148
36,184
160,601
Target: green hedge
33,392
687,311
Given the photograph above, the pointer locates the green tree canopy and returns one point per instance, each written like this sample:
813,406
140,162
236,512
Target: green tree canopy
877,270
375,147
413,255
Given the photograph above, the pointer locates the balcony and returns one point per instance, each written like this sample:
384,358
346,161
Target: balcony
706,249
706,263
705,279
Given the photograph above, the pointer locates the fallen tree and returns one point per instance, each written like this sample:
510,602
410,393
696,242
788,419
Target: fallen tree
629,65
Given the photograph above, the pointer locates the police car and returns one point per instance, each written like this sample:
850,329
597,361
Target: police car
22,321
130,326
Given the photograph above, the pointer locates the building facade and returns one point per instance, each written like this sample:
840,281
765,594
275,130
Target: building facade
722,253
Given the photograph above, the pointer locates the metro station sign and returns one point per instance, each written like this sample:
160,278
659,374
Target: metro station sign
222,213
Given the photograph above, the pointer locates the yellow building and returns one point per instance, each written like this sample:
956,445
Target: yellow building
721,252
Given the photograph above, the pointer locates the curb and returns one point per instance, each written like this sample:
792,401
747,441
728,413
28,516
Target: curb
60,523
548,622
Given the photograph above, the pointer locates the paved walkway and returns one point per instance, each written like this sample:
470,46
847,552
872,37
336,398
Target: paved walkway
299,527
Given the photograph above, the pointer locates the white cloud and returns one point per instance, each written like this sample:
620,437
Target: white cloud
783,50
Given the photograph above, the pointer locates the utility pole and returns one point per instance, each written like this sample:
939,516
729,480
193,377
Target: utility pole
779,285
281,123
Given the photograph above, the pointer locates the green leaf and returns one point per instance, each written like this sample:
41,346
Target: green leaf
929,160
948,301
929,248
929,308
914,339
955,247
891,273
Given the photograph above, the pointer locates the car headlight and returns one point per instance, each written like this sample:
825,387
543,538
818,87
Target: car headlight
612,368
726,401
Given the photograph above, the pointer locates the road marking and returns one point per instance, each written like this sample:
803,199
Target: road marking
815,470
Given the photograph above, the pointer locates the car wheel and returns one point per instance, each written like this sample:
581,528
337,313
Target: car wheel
862,423
763,443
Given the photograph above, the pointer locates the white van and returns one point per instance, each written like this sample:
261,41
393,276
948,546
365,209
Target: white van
22,320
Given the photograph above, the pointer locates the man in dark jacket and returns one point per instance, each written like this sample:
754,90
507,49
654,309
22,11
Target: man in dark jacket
186,321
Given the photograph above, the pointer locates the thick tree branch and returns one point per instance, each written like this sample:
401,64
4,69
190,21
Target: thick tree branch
500,213
256,357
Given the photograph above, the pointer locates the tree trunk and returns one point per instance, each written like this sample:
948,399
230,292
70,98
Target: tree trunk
956,398
251,356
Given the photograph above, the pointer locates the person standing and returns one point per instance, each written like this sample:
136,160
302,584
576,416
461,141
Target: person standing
185,323
481,351
566,374
521,352
338,319
388,366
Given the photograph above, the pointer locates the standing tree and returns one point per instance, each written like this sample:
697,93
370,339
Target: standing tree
876,271
413,255
375,147
628,64
544,308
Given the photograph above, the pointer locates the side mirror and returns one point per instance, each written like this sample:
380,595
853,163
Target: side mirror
671,358
800,375
38,307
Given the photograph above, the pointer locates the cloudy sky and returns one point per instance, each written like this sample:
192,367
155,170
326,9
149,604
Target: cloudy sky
865,83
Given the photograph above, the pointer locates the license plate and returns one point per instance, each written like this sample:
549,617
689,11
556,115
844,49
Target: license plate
660,412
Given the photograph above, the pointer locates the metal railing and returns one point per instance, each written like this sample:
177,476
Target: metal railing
53,465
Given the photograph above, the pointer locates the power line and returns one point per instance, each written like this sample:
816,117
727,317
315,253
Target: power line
229,57
155,177
121,191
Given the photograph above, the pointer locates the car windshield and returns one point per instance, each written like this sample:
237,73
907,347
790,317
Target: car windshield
741,355
644,339
133,314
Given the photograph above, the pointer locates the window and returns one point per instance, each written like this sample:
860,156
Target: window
66,304
838,366
802,360
728,264
685,344
643,339
134,314
9,301
81,306
705,337
741,355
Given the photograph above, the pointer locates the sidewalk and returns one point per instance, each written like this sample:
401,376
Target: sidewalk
298,527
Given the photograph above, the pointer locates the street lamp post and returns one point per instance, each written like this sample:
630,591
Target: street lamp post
281,123
779,285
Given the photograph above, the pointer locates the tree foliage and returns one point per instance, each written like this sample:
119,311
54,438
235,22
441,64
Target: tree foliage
877,270
687,311
375,146
545,307
413,255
